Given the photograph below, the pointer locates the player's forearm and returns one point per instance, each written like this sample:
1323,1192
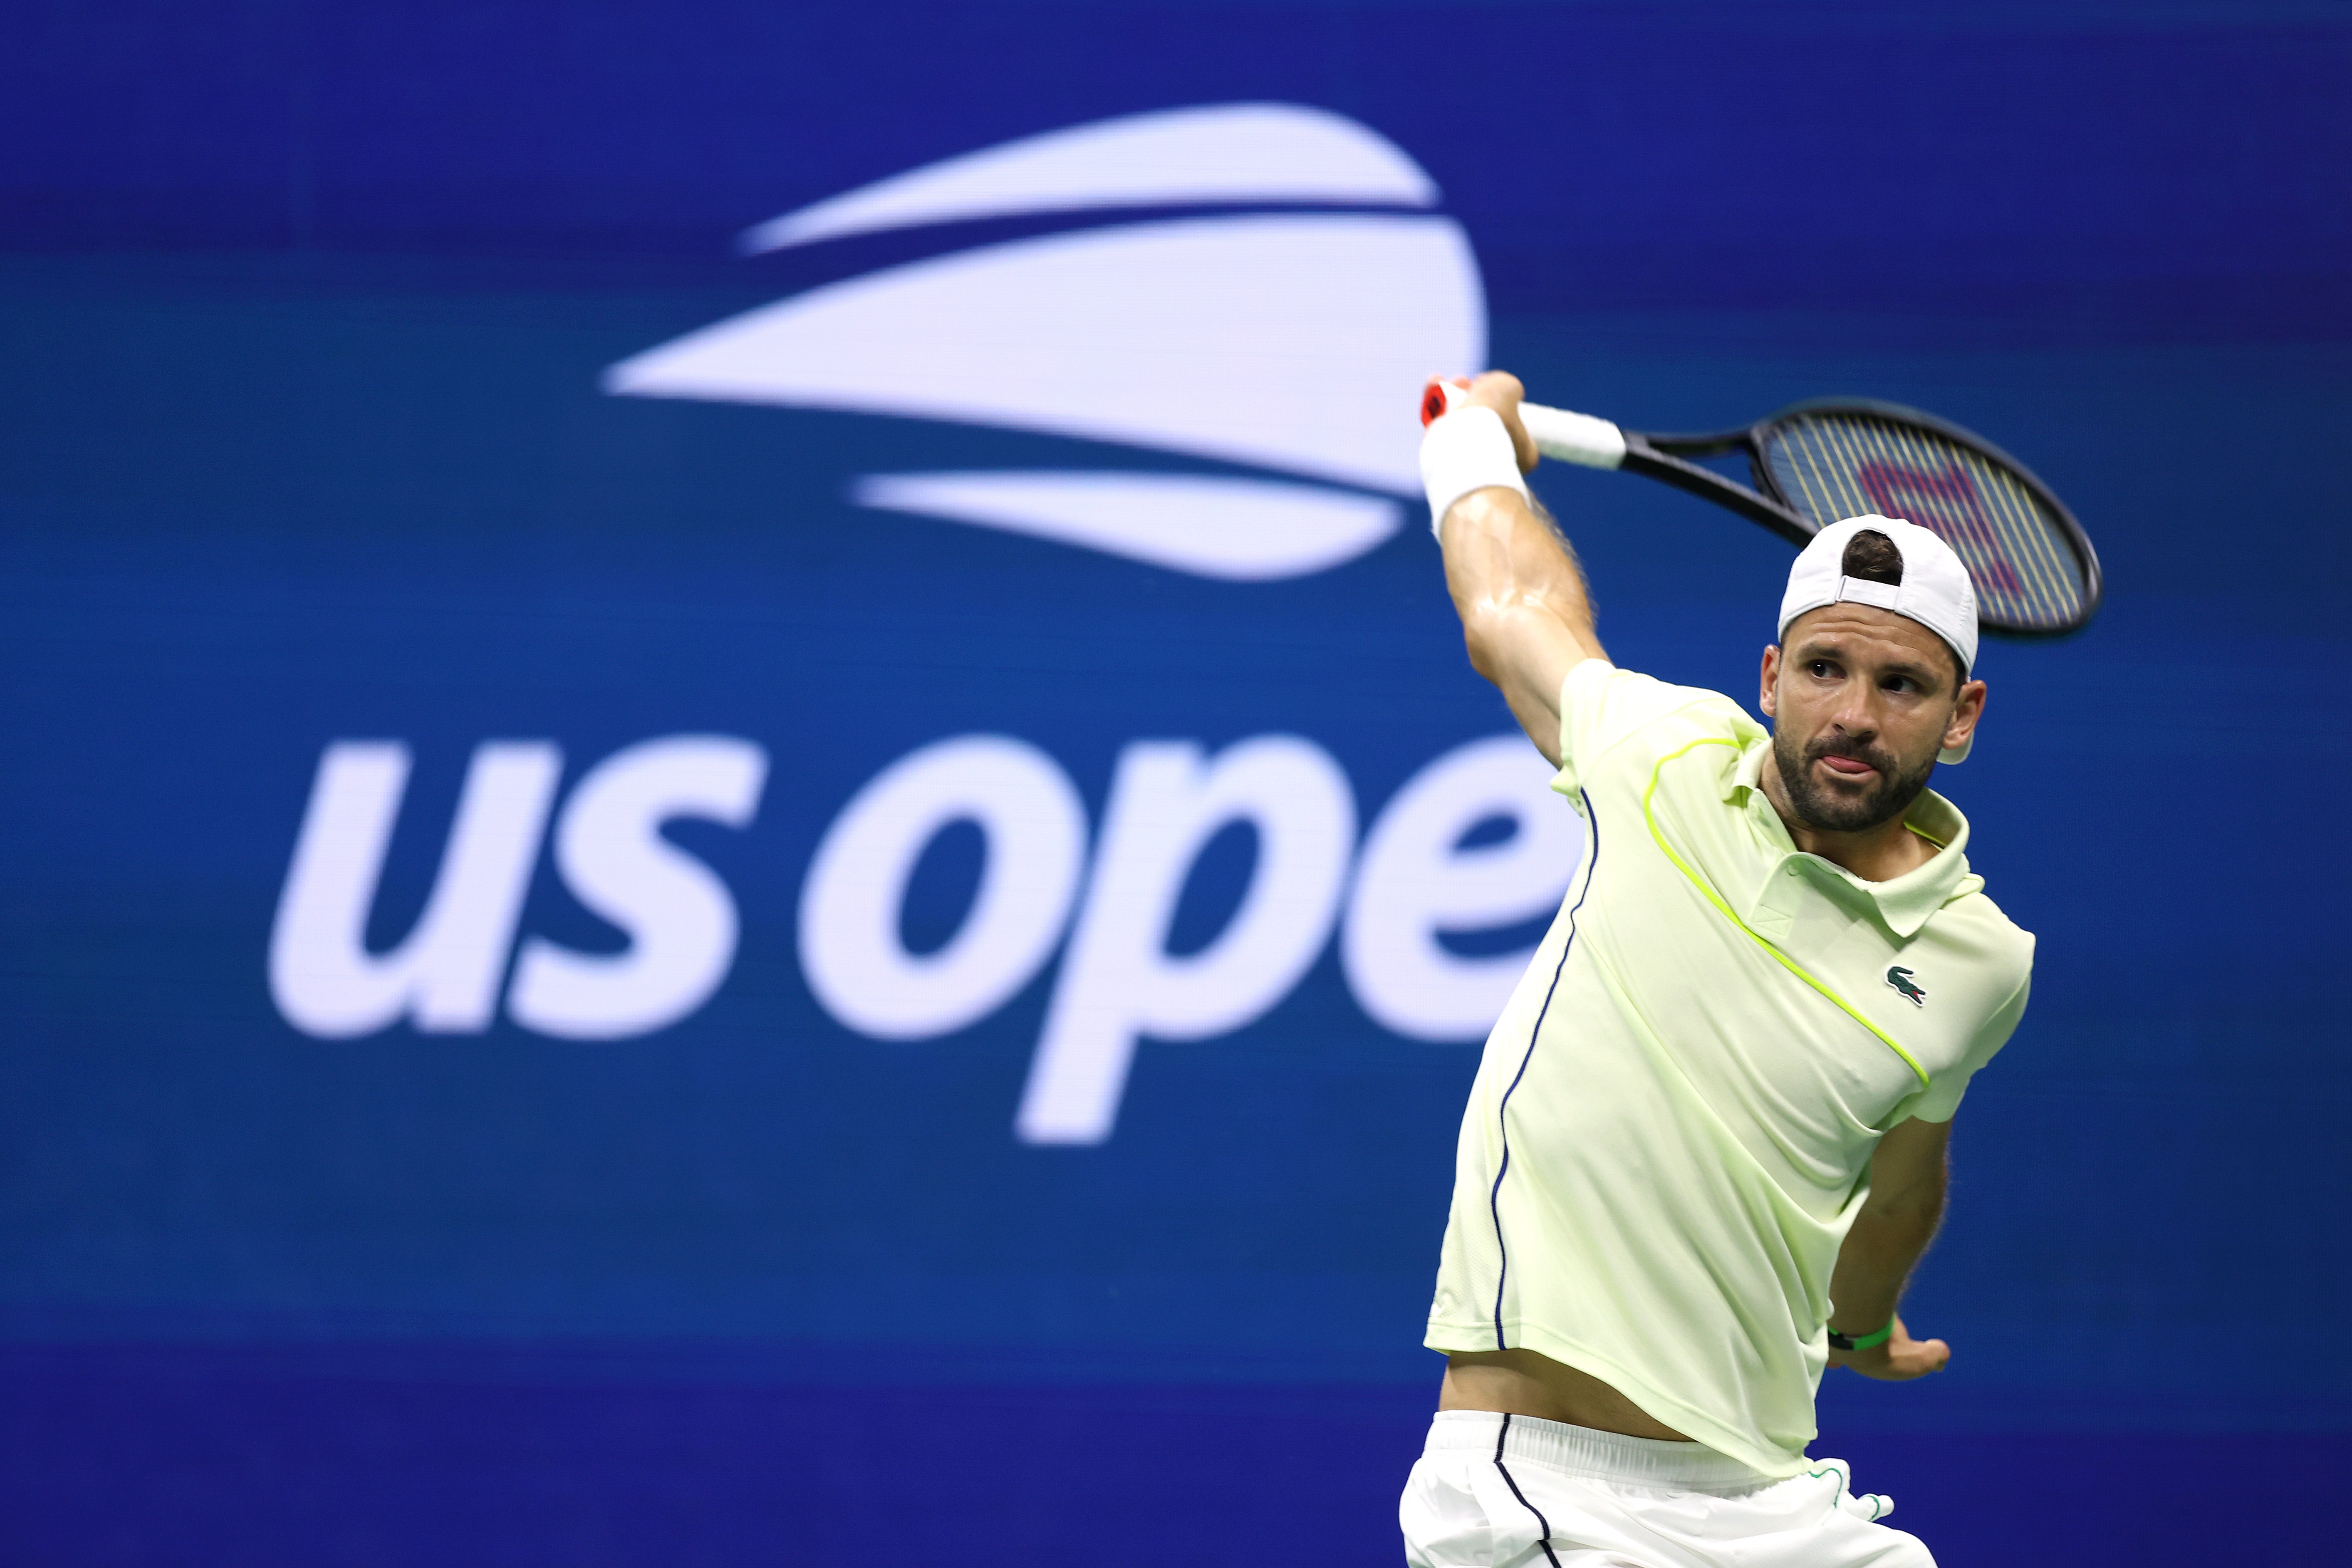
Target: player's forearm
1886,1242
1527,616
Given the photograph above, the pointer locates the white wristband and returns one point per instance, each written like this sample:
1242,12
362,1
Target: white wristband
1466,450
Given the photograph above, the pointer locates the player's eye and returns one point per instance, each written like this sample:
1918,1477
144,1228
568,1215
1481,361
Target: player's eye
1822,670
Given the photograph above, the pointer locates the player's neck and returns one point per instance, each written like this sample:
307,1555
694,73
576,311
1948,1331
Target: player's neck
1877,854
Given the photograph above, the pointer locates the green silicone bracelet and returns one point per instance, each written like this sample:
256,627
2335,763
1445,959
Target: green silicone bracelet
1867,1342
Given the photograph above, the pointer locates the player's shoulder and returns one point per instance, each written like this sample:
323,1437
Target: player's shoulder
1972,918
1609,712
1969,914
1994,975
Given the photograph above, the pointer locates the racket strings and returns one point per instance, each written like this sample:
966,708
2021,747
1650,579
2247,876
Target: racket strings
1836,466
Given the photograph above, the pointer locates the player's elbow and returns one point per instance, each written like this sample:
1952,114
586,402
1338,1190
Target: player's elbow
1487,636
1478,642
1916,1208
1523,642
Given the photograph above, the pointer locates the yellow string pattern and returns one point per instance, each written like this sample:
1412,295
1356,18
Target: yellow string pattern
1836,466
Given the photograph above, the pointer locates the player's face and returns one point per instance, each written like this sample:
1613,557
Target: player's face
1861,699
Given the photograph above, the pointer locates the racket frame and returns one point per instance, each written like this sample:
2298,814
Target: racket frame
1665,457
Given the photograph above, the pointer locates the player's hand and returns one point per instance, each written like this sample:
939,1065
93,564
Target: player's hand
1900,1359
1500,391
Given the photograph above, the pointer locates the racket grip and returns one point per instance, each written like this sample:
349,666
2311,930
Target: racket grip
1557,432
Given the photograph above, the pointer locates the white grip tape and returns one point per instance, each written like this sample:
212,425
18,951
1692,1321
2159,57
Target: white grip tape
1560,435
1468,449
1573,437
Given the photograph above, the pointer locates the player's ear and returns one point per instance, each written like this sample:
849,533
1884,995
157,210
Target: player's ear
1769,678
1966,709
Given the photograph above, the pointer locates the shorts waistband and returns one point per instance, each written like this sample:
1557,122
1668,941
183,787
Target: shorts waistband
1596,1455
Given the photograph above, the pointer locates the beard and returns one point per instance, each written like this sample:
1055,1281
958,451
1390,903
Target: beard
1835,810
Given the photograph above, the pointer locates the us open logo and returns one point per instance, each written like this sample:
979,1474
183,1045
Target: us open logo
1286,342
1284,346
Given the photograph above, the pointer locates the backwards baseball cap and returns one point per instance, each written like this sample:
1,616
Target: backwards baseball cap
1934,590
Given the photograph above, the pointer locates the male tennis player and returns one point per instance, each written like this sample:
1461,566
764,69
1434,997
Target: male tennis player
1707,1141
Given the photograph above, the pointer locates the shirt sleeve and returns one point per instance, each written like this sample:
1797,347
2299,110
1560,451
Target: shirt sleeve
1601,705
1940,1100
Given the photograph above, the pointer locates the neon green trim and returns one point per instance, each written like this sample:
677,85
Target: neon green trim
1710,893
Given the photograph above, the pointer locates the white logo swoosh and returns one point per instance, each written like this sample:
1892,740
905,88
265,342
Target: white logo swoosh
1294,342
1238,153
1239,529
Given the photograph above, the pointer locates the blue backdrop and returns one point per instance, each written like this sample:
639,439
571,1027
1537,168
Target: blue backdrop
304,442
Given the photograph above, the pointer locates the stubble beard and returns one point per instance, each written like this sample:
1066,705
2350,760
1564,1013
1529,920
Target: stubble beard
1840,811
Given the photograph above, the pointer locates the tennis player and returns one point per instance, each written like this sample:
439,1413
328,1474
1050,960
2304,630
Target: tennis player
1707,1141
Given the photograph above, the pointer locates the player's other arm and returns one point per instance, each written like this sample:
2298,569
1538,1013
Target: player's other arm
1526,616
1897,1220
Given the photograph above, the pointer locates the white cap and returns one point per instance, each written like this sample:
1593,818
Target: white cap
1935,591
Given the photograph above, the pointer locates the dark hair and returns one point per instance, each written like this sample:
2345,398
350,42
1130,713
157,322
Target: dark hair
1870,556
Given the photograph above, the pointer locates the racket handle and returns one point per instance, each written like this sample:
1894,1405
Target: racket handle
1558,434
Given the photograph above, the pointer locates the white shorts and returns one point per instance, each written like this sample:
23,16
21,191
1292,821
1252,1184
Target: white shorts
1510,1491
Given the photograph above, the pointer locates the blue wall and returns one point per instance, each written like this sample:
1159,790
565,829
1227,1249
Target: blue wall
304,311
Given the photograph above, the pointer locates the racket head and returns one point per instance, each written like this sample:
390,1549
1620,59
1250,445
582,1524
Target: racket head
1827,460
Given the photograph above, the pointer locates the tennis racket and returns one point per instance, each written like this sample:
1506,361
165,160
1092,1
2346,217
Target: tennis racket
1816,463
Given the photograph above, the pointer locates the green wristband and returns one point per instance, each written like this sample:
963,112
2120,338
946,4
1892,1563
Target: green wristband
1867,1342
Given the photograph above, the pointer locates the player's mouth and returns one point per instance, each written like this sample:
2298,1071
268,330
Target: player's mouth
1846,769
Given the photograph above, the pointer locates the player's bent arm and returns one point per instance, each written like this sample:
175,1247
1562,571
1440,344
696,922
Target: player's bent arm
1898,1219
1526,617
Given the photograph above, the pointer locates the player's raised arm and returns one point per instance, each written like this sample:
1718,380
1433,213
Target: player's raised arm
1526,616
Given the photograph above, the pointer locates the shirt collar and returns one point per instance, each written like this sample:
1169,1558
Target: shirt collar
1904,902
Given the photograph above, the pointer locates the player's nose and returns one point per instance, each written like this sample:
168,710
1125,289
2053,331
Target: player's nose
1857,713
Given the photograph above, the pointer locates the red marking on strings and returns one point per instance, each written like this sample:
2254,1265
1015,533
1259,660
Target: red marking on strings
1948,503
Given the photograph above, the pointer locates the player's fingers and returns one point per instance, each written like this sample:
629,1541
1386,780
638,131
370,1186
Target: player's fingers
1498,382
1501,391
1925,1356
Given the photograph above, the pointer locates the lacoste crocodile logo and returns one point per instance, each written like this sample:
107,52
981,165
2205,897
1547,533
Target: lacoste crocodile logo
1902,980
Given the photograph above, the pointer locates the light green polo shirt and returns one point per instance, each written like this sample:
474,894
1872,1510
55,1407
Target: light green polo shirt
1672,1125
